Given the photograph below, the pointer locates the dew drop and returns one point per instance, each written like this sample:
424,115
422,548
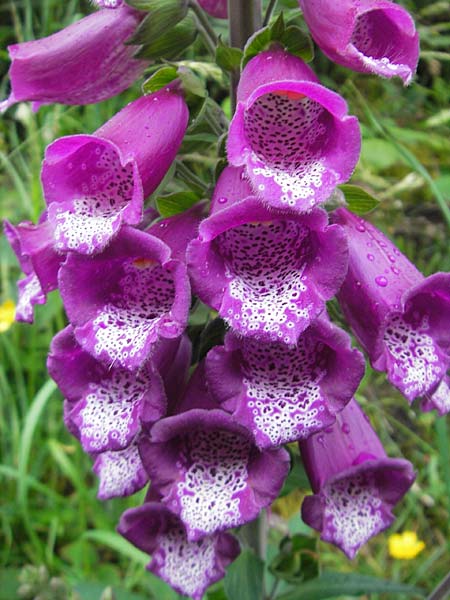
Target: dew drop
345,428
370,257
358,284
360,227
222,200
321,440
391,258
381,281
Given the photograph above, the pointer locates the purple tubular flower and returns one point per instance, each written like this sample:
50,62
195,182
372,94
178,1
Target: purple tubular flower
209,472
267,272
190,567
293,135
121,473
372,36
95,183
122,302
83,63
107,405
285,393
216,8
34,248
401,318
355,484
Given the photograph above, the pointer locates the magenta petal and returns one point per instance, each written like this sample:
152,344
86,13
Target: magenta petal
95,183
286,393
267,272
355,484
189,567
439,399
30,293
374,36
120,473
84,63
123,301
209,472
216,8
295,139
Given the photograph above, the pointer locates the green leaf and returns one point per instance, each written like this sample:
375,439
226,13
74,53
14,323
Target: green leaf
330,585
297,559
173,42
228,58
297,478
244,578
359,201
116,542
257,43
160,79
299,43
176,203
278,28
191,83
163,15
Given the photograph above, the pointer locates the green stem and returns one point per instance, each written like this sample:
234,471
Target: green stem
442,590
269,12
244,18
205,27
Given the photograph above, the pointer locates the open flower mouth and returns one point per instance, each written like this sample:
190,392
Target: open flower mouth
288,133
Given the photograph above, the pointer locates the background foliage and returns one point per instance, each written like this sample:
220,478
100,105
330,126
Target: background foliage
50,518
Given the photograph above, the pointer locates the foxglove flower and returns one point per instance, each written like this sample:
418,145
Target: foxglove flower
216,8
123,301
293,135
190,567
268,272
83,63
38,259
95,183
373,36
401,318
355,484
209,472
285,393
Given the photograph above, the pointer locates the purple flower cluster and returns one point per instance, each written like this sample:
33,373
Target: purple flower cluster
266,257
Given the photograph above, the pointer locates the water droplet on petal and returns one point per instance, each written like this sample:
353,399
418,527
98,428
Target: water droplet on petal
370,257
321,440
222,200
345,428
381,281
395,270
360,227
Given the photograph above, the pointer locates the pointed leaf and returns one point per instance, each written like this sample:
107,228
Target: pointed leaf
358,200
244,579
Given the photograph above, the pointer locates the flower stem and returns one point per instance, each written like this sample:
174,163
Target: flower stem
209,35
244,17
269,12
440,593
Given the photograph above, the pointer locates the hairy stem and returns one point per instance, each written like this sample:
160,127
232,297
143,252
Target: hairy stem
244,17
209,35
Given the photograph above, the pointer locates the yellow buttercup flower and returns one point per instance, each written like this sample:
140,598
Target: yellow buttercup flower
7,315
405,545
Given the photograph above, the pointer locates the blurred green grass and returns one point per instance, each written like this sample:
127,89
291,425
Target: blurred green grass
49,514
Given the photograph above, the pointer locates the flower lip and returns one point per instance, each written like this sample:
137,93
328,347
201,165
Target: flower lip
296,142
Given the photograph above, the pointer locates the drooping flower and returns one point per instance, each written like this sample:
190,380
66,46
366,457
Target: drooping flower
95,183
285,393
401,318
188,566
123,301
267,272
355,484
293,135
38,259
373,36
405,545
209,472
83,63
216,8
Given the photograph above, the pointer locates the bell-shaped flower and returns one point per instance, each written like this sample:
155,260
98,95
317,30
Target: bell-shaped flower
355,484
95,183
190,567
374,36
209,472
401,318
285,393
215,8
123,301
38,259
267,272
293,135
83,63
